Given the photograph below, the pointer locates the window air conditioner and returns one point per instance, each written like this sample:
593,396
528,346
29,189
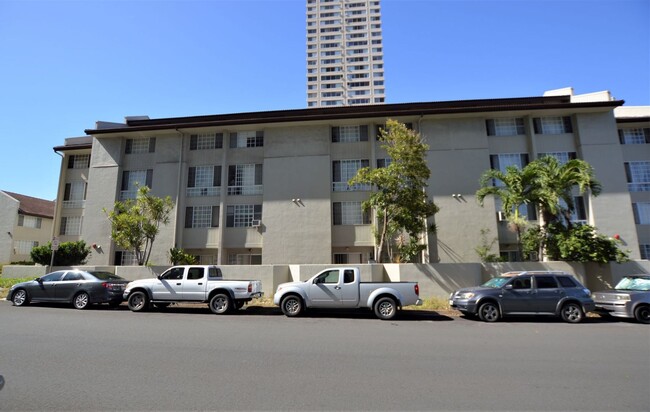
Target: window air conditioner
256,223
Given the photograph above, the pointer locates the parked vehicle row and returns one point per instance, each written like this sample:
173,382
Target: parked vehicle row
514,293
552,293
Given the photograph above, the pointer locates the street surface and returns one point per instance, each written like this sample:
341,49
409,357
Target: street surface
58,358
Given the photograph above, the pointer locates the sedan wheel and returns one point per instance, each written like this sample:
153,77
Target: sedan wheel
20,298
489,312
642,314
572,313
81,301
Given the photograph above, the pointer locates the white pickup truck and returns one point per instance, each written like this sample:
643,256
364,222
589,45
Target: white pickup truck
342,288
192,283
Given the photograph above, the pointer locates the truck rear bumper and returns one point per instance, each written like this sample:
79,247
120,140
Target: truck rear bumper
418,302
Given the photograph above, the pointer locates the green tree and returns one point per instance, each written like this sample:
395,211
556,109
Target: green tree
514,188
136,223
68,254
555,182
399,202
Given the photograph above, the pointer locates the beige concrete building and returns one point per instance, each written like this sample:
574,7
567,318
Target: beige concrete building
271,187
25,222
345,56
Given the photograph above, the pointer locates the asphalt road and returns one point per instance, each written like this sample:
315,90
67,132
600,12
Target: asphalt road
57,358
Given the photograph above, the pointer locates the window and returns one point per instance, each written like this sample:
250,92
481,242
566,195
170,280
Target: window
125,258
566,282
70,226
383,162
634,136
201,216
32,222
331,276
561,157
645,251
641,213
243,215
545,282
173,274
381,128
206,141
244,259
521,283
195,273
349,213
579,212
527,211
79,161
638,176
343,171
552,125
74,195
203,181
502,161
53,277
72,276
246,139
505,127
346,134
348,276
245,179
133,179
214,272
143,145
24,247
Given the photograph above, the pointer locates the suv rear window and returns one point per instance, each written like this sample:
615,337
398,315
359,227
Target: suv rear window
566,282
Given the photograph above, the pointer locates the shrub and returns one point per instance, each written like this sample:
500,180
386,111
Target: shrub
69,254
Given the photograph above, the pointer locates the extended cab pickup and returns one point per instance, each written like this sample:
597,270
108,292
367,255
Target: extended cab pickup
342,288
192,283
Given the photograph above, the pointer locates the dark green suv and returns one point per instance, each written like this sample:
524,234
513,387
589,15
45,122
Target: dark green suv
525,293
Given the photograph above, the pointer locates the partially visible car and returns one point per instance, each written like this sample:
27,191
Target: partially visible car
630,298
525,293
78,287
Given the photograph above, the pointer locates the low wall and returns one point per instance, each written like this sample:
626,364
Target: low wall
435,280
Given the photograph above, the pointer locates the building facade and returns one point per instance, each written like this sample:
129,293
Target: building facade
25,222
272,187
345,57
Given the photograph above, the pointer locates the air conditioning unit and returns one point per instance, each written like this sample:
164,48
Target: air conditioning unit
501,216
256,223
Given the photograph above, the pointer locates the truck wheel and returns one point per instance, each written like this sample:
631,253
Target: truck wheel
138,301
488,312
291,306
385,308
220,303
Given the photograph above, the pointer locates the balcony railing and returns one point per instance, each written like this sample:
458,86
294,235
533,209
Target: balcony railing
73,204
202,191
345,187
245,190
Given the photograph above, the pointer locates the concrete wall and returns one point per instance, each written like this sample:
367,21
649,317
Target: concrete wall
8,221
435,280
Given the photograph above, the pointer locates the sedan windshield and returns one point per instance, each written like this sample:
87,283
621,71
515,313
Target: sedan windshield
496,282
633,283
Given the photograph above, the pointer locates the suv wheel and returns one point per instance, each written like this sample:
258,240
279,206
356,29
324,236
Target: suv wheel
488,312
572,312
642,314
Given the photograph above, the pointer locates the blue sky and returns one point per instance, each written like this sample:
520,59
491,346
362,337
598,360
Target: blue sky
66,64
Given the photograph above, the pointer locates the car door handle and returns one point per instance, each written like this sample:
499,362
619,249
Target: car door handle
178,284
337,287
200,283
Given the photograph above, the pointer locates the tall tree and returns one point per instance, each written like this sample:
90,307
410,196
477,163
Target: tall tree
400,203
556,182
136,223
514,189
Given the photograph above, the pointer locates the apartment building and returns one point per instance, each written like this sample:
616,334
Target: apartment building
271,187
345,58
25,222
634,135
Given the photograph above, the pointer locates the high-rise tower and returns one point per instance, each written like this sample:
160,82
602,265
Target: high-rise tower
345,58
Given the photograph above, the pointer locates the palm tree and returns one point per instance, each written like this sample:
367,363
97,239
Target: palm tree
514,188
555,182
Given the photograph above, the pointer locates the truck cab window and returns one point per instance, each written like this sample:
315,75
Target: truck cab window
331,276
348,276
195,273
173,274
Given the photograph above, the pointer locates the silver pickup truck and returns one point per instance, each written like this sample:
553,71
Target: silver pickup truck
192,283
342,288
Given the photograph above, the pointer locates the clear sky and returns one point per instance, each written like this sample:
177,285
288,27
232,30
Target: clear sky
66,64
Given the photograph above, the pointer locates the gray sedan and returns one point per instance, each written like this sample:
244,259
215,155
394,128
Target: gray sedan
629,299
80,288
